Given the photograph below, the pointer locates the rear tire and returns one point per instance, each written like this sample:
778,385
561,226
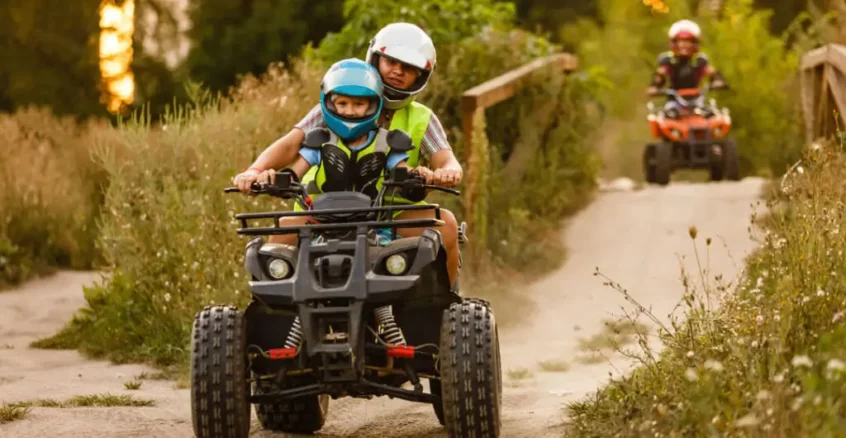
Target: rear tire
731,165
649,169
471,373
663,163
219,386
304,415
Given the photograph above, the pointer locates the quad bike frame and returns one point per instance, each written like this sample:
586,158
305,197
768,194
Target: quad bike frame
336,282
695,138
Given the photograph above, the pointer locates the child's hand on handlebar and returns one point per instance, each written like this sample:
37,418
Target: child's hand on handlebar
245,179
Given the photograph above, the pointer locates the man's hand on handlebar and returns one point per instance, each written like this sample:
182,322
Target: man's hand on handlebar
425,173
245,180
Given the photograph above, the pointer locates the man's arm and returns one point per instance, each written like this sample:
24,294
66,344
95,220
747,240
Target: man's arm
442,160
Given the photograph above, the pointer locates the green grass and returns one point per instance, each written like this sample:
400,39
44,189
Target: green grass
86,401
132,384
769,357
11,412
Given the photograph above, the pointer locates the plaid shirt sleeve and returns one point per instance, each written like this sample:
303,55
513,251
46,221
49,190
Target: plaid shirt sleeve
435,138
314,119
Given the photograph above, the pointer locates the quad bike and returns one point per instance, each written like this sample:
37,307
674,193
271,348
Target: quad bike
694,137
352,311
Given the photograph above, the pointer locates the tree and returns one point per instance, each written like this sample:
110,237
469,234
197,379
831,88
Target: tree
49,55
232,37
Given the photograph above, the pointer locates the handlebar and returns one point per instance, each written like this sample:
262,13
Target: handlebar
286,188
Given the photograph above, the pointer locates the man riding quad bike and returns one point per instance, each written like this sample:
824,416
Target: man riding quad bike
692,133
348,307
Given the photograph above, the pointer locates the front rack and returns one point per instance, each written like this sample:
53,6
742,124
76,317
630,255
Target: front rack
364,225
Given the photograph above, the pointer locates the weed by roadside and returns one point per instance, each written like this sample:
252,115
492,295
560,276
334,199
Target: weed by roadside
11,412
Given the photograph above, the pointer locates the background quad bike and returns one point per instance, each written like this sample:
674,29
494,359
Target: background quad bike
696,139
225,370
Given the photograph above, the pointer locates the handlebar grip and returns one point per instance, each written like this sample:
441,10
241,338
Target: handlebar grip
231,190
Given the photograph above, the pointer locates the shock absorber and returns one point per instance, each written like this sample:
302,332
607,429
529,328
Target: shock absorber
385,318
295,335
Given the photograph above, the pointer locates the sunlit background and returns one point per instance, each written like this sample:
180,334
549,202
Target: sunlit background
117,24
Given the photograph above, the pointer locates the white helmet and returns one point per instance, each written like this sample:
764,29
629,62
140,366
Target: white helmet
684,29
408,44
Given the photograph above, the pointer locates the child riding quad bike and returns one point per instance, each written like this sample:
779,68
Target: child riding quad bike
691,133
350,312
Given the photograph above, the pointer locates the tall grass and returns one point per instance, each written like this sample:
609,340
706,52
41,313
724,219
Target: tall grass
770,359
51,194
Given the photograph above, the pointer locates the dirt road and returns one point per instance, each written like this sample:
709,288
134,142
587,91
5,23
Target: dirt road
635,237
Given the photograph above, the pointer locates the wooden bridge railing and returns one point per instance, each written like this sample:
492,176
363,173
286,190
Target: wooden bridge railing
473,104
824,91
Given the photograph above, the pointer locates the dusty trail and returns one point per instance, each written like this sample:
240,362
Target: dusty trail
634,237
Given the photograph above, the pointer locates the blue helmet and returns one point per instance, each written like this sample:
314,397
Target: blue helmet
351,77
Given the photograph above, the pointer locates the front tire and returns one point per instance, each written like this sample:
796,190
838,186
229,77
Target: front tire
304,415
663,163
220,389
471,373
731,169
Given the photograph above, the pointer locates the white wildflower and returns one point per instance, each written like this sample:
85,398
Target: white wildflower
805,299
762,395
797,404
713,365
836,365
759,319
690,354
800,170
801,361
748,421
167,297
820,293
754,344
777,318
778,378
691,375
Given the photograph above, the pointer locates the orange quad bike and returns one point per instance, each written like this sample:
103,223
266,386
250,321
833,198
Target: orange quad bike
693,135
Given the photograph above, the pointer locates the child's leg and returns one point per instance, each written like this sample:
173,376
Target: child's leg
288,239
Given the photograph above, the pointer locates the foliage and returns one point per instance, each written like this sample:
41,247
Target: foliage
49,56
446,21
769,360
234,38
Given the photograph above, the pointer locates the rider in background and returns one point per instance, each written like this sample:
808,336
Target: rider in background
684,66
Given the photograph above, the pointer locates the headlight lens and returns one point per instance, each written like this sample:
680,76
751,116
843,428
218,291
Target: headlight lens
278,269
396,264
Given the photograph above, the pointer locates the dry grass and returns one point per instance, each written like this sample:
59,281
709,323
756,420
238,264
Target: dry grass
12,412
51,194
132,385
554,366
84,401
519,374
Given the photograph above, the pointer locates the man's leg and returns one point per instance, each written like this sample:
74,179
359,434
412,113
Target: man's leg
449,233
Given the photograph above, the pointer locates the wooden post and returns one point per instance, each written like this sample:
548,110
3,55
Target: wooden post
491,93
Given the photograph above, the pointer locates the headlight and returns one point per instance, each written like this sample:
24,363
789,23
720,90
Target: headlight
395,264
676,133
278,268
